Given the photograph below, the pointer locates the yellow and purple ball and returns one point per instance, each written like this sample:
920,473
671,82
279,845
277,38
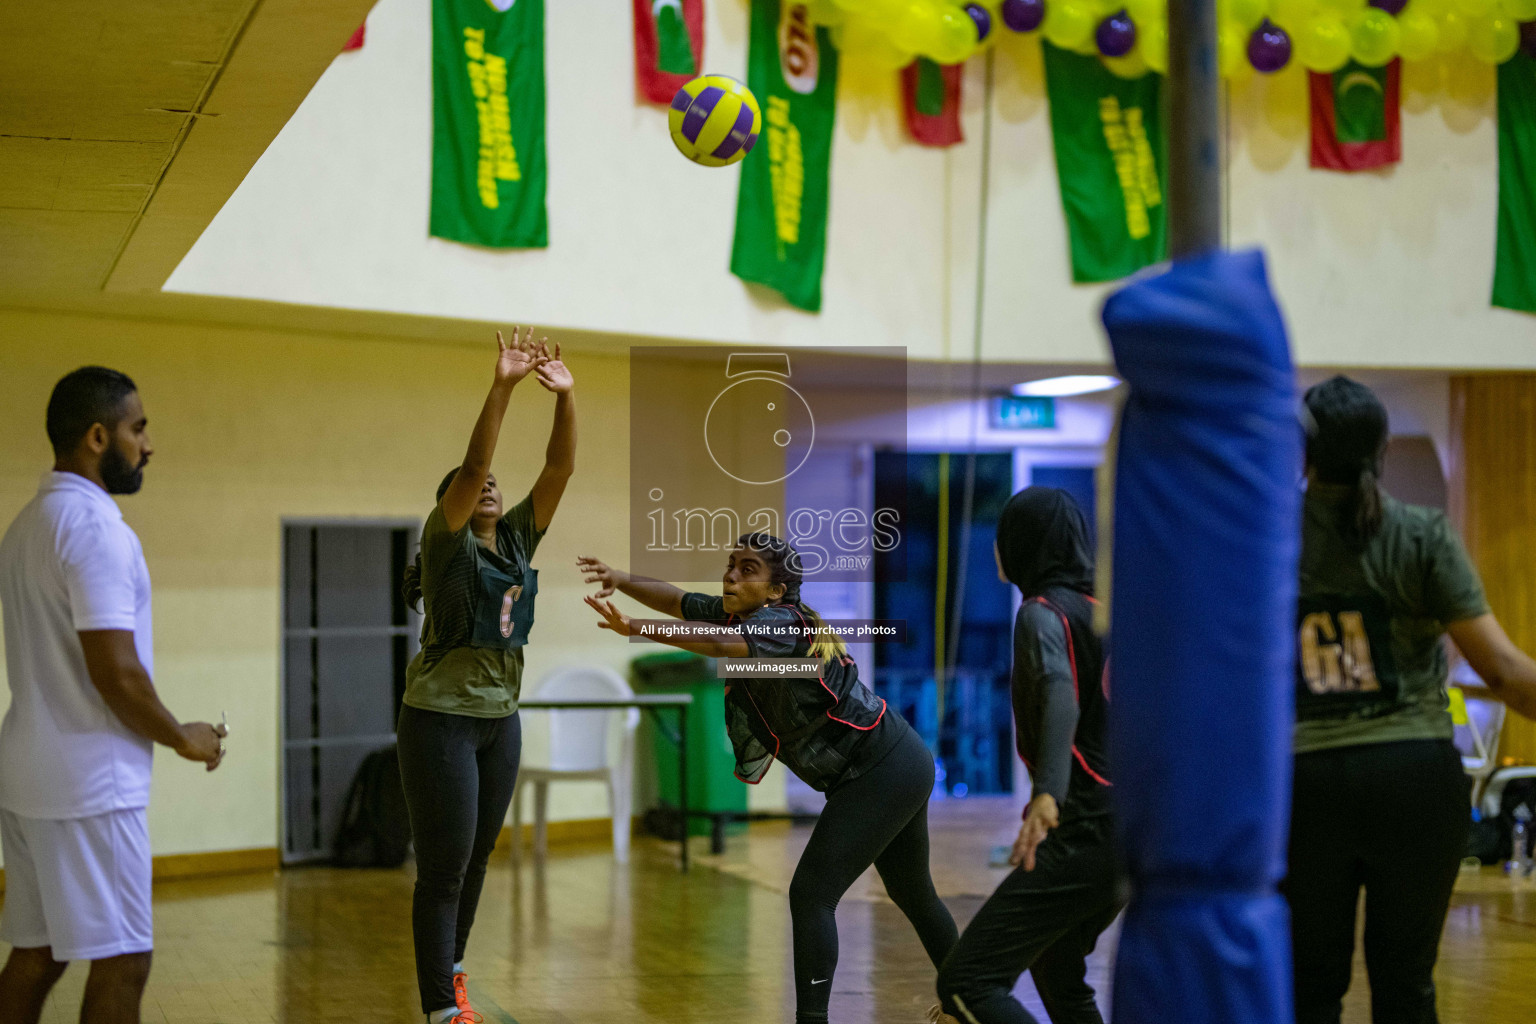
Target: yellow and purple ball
715,120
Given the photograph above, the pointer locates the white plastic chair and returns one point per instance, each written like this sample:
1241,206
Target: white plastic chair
1477,738
578,750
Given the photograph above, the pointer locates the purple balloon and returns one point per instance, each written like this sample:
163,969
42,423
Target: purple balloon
1392,7
1023,15
1528,38
1116,35
1269,48
983,19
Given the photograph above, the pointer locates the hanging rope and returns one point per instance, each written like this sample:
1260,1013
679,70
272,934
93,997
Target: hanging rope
951,646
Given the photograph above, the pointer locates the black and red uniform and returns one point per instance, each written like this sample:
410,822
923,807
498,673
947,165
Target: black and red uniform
840,738
1047,921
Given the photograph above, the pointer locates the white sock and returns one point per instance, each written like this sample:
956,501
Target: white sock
442,1016
458,968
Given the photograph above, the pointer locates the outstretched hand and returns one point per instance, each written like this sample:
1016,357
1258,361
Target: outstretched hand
612,618
600,572
553,374
519,357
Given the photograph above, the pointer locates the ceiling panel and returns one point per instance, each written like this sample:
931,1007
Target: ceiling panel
53,174
98,102
51,250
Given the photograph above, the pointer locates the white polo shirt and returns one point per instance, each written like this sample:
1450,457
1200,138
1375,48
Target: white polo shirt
69,563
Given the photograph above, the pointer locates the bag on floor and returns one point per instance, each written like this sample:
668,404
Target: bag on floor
375,827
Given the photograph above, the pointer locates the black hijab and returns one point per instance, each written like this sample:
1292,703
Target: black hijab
1043,542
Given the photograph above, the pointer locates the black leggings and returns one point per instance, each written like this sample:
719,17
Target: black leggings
458,774
1393,818
879,818
1045,921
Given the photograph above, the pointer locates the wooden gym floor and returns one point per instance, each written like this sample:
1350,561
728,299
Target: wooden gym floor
583,941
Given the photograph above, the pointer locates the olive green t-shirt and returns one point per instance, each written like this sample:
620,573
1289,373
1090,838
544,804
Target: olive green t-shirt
448,674
1392,601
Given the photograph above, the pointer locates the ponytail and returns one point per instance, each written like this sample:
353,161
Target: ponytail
1366,507
825,644
1347,432
410,584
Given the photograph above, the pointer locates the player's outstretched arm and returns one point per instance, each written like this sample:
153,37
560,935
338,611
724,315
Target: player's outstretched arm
656,595
1509,672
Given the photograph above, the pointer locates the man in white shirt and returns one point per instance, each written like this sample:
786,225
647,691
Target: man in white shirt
75,746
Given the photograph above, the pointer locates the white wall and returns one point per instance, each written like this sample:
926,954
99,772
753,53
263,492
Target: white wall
1388,269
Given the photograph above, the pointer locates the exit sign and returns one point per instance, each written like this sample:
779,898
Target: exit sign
1015,412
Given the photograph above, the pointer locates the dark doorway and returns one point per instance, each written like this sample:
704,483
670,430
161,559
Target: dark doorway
971,733
347,639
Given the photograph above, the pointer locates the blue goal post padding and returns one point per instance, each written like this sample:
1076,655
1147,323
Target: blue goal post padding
1206,539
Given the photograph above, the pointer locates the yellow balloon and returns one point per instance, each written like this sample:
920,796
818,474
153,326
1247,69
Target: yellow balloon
1231,49
1145,12
1152,44
1067,24
1132,65
1323,45
1493,40
1292,15
1340,8
916,26
1088,47
824,12
1374,38
1453,32
955,39
1520,10
1246,13
860,42
1433,8
1418,35
1473,8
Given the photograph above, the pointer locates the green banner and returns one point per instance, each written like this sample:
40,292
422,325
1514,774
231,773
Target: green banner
1108,133
488,167
781,208
1514,265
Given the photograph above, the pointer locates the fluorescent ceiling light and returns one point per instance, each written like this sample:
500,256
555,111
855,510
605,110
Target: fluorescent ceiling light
1057,387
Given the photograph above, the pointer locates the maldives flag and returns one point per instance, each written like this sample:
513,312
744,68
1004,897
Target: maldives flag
669,46
1356,117
931,94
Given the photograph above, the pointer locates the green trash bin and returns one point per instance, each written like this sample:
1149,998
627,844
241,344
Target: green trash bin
713,787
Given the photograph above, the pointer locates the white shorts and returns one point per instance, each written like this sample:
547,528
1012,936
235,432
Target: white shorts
78,885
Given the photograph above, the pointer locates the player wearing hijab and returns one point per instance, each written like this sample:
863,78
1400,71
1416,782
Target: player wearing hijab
1047,915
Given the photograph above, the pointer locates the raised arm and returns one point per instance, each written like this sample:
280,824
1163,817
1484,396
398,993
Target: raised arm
514,361
654,594
1509,672
560,453
115,670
